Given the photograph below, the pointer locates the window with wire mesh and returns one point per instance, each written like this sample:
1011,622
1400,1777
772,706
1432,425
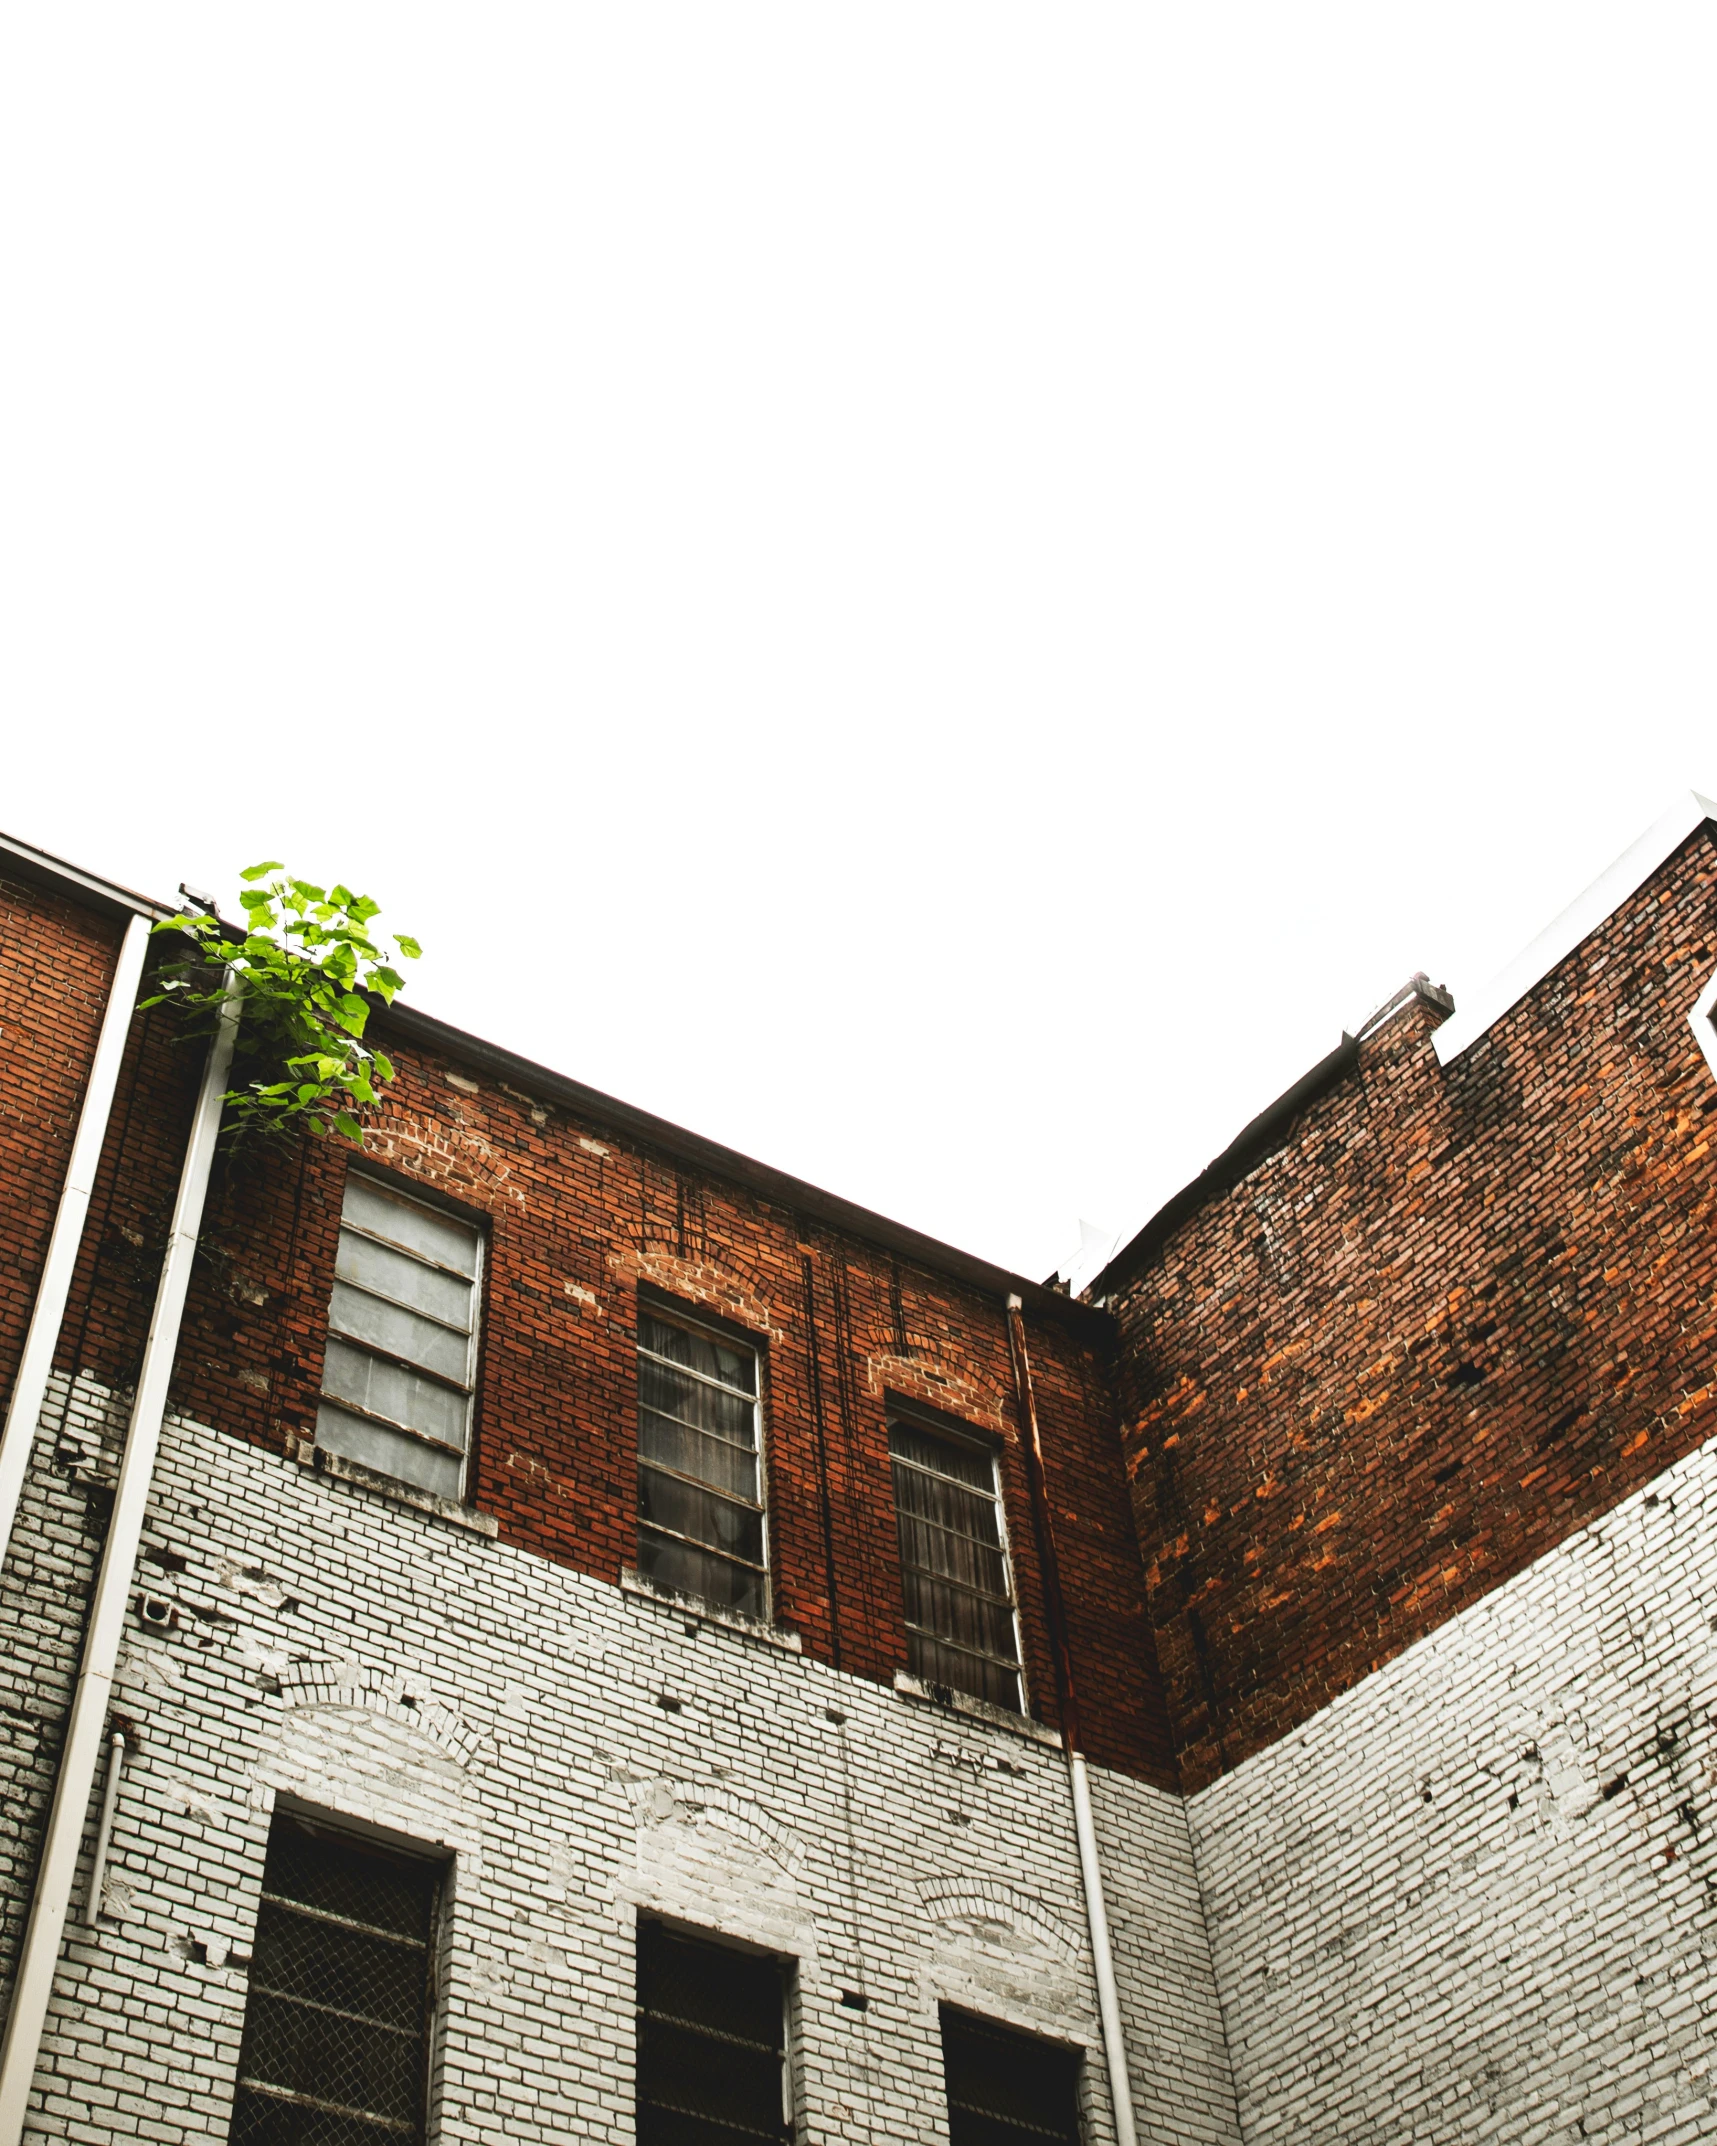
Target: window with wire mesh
700,1477
336,2022
712,2043
960,1628
402,1338
1007,2089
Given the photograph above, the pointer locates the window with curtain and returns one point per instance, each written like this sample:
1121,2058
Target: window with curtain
701,1524
960,1628
401,1364
1006,2088
712,2044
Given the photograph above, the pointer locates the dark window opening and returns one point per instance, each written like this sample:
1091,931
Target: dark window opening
700,1478
954,1566
712,2043
1007,2089
336,2025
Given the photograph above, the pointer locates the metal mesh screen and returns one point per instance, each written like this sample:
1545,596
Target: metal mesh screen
1007,2089
336,2020
711,2044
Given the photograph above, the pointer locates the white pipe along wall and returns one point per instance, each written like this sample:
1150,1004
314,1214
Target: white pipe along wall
1103,1958
49,1311
87,1727
1079,1787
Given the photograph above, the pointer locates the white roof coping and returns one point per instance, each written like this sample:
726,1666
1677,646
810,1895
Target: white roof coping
1582,917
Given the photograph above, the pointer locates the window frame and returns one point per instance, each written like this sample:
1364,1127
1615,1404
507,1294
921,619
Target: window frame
785,1966
1075,2055
451,1211
434,1867
670,1311
928,1422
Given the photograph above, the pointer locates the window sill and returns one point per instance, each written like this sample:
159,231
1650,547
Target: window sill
946,1700
725,1620
342,1470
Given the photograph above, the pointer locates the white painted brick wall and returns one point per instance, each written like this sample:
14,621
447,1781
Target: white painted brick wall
49,1572
369,1660
1435,1914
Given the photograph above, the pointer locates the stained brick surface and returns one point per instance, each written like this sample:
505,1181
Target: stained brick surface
56,960
1453,1314
577,1218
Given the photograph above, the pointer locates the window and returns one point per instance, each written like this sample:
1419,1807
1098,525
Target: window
954,1565
700,1487
712,2044
402,1339
1007,2089
337,2021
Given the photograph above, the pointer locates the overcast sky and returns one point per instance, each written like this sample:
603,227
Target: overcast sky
940,593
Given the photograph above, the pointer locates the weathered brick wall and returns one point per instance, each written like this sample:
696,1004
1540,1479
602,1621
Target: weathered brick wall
583,1756
578,1218
56,964
44,1598
1450,1317
1476,1896
56,961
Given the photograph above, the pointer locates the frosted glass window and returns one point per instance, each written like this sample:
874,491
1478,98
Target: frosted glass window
402,1339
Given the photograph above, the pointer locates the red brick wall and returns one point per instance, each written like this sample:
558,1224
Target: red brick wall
56,961
1456,1314
577,1218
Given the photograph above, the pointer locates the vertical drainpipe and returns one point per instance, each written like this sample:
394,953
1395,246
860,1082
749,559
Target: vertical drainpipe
86,1729
1084,1828
37,1362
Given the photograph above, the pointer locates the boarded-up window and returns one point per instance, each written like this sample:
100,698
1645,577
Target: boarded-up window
712,2044
1007,2089
700,1480
337,2020
954,1565
402,1339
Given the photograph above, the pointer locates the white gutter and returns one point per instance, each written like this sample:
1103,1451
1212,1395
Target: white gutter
31,1385
86,1729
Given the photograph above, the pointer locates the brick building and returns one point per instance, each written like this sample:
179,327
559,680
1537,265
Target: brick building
613,1642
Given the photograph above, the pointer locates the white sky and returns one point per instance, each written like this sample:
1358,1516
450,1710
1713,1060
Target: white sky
940,593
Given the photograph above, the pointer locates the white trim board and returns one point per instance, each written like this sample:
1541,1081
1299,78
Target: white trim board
1703,1019
1582,917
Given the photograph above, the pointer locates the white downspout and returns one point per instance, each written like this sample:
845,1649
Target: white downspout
1079,1786
1097,1917
87,1726
37,1362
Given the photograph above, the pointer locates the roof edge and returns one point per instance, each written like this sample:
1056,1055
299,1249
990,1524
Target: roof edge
1577,922
47,870
1240,1155
759,1177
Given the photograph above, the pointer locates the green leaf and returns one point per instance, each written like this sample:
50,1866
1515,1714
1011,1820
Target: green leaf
408,947
384,1065
345,1123
255,871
